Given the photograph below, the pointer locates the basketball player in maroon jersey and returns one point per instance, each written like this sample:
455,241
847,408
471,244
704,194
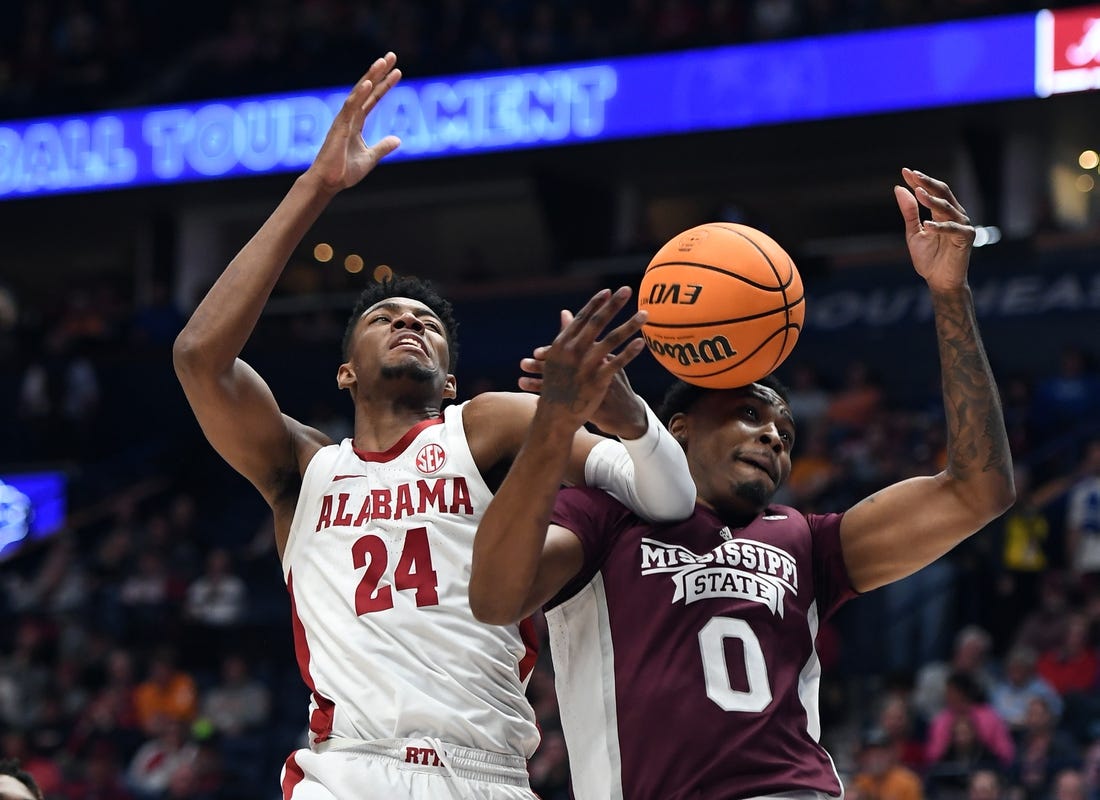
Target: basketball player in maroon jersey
411,697
685,653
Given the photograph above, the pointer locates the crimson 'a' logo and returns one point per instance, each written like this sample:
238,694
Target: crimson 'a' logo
431,458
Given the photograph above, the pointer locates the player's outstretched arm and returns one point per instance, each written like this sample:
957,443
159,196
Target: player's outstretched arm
904,527
516,568
233,404
644,468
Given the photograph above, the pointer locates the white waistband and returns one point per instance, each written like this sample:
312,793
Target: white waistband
469,763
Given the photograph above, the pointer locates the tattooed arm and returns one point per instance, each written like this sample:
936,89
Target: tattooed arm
904,527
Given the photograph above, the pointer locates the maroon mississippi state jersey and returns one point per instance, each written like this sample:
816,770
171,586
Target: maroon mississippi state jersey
684,654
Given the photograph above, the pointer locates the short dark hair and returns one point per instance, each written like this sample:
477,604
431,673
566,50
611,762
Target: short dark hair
12,767
682,395
414,289
966,684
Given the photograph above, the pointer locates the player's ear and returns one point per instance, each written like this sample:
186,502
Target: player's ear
345,376
678,427
450,388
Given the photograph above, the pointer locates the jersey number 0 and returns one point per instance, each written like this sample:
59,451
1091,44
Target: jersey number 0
712,648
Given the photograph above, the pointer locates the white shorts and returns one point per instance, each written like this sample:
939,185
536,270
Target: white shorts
403,769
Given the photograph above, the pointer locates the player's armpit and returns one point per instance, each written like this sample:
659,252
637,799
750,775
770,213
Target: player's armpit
496,424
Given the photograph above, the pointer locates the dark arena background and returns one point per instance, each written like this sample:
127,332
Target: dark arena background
550,148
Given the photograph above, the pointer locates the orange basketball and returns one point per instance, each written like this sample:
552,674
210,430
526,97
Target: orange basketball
725,305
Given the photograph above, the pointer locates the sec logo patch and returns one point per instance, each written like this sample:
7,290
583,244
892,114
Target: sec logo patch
431,458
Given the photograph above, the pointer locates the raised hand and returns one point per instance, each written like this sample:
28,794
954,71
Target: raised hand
578,369
940,247
344,158
621,413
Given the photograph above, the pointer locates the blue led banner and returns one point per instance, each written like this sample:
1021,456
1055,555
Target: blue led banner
731,87
32,506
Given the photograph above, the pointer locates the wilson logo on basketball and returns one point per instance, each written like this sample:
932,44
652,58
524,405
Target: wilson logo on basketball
684,294
431,458
691,239
702,351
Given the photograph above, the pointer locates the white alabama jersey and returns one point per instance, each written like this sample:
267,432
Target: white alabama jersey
378,565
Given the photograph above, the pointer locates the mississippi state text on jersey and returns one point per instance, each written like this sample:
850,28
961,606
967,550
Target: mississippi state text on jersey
377,565
684,654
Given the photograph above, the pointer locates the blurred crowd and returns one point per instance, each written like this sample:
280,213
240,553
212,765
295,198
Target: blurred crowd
147,654
65,56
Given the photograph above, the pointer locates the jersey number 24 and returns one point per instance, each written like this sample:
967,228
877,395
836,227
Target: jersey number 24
414,571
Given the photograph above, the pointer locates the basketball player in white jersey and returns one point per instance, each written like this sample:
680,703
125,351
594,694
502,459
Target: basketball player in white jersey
705,629
411,696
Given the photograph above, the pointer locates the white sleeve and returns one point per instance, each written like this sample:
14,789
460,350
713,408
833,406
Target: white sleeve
649,474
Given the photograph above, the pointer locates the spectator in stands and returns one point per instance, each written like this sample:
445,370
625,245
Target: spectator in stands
24,672
1069,784
1044,628
970,656
1013,693
1043,751
239,703
148,597
158,759
183,517
880,776
858,401
1090,769
215,608
61,584
111,564
809,402
919,612
895,720
167,693
97,777
16,783
1024,536
218,598
50,732
110,718
59,398
964,753
1083,521
202,777
985,784
170,534
1072,666
236,709
948,741
813,470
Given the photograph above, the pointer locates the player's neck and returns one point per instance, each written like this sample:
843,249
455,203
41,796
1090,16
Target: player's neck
732,517
378,426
